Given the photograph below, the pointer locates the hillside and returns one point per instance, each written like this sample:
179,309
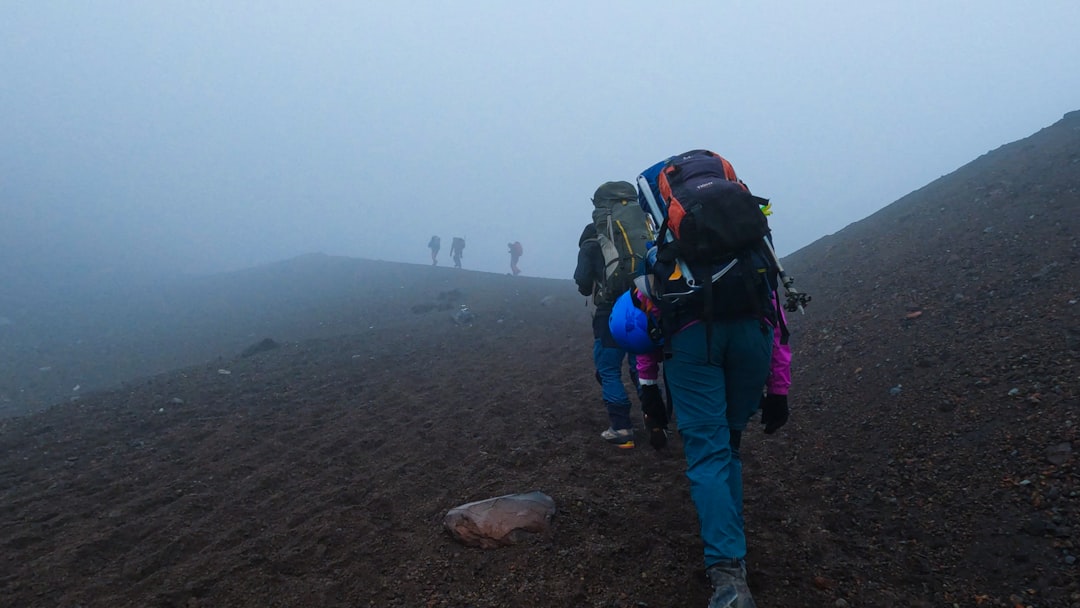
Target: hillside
929,460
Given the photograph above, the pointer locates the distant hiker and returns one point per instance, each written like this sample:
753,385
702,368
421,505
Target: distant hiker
457,247
606,267
515,255
718,339
434,245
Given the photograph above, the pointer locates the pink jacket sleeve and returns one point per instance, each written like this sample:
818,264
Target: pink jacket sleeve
648,364
648,367
780,370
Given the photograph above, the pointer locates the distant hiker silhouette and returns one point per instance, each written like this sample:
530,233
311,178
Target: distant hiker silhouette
515,255
434,245
457,247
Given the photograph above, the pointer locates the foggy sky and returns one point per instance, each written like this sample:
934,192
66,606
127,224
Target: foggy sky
206,136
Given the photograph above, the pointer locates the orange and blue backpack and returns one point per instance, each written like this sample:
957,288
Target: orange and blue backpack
714,257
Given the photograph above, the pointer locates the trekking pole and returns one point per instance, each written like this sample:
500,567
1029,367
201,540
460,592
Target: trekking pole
654,209
796,300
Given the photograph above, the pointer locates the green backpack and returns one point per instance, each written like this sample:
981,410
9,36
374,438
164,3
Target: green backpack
622,232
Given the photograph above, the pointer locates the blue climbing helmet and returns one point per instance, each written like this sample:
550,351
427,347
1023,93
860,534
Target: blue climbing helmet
631,327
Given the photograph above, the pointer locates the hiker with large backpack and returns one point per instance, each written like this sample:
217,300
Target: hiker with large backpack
434,244
610,254
515,250
457,249
714,283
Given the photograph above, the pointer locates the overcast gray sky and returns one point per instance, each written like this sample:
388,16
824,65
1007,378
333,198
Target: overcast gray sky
207,136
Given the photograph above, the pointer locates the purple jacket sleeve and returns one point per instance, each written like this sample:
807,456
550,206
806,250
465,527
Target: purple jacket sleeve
648,364
780,371
648,367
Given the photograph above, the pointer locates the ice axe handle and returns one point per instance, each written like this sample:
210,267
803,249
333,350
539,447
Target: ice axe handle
796,300
657,215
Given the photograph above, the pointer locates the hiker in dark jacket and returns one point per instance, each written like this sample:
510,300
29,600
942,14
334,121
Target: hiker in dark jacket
515,255
434,244
608,356
457,249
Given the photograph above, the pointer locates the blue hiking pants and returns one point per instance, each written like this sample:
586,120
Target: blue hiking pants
609,363
714,398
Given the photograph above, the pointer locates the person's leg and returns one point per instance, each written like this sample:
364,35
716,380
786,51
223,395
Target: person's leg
667,395
699,392
608,362
631,360
746,366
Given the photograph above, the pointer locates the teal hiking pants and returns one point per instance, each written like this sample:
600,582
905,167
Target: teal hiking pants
714,398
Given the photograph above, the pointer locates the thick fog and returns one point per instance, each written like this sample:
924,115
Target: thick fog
196,137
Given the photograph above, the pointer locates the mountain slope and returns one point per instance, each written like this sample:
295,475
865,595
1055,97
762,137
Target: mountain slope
928,461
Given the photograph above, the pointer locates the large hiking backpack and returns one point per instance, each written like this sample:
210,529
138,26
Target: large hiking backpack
710,211
623,232
713,258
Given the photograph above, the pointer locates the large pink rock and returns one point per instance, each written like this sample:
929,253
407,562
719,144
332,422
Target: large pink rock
500,521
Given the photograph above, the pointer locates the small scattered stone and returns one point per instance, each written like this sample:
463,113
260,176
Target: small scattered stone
1060,453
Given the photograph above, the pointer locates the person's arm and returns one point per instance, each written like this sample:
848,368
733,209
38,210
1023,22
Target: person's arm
648,367
652,402
585,273
774,405
779,382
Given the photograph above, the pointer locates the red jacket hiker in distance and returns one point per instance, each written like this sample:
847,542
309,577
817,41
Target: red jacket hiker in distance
515,255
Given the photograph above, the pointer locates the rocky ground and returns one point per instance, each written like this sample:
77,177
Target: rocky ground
928,462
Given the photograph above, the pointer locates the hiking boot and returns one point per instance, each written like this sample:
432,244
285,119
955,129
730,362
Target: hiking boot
729,585
621,438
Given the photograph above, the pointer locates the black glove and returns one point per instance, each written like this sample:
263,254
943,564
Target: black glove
774,412
655,415
652,405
